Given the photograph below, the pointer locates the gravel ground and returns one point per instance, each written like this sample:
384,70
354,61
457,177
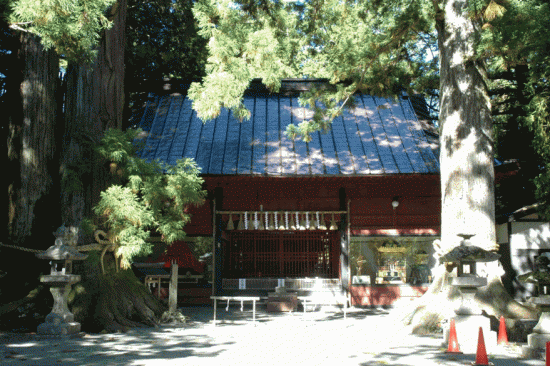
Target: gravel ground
366,337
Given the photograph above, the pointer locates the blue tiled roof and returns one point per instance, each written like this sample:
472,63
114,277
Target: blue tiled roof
380,136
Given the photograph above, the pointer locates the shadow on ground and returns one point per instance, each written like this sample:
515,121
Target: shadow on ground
365,337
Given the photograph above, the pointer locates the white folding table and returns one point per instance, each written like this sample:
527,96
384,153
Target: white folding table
242,299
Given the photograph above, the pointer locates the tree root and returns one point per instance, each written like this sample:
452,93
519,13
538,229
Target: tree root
439,302
173,317
12,306
430,309
114,302
122,305
496,301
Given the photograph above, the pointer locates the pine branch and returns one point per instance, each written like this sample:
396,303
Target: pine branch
16,26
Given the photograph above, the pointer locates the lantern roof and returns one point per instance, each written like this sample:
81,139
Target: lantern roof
60,251
469,253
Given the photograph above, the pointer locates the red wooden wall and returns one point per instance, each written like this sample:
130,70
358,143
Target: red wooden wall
371,197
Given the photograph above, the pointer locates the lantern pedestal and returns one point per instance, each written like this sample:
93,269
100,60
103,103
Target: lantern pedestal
60,321
469,317
468,286
536,341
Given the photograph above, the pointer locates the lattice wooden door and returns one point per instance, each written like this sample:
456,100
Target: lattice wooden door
281,254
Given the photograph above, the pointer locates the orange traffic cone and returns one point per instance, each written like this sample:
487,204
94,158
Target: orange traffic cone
502,335
453,341
547,354
481,354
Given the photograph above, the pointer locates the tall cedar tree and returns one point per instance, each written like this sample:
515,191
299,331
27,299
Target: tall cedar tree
30,138
91,36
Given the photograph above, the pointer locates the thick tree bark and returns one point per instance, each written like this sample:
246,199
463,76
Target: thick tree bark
30,167
31,137
112,302
467,172
94,103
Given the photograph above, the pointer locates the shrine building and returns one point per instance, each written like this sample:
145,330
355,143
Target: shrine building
355,210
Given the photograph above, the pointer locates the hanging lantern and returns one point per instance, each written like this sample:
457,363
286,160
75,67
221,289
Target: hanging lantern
333,224
292,224
269,220
230,223
240,225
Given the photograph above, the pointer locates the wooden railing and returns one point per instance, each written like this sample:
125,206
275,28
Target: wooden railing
311,284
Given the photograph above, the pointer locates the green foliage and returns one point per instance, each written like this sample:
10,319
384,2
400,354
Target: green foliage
149,195
201,246
379,47
372,47
72,27
8,53
516,43
162,41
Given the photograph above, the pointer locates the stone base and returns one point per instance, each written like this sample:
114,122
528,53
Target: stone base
280,306
58,329
537,340
520,329
467,333
281,302
528,352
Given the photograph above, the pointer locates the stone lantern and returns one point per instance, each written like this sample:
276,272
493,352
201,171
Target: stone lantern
60,321
536,341
469,316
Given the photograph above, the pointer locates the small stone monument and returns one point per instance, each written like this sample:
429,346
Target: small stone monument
281,300
536,341
469,316
60,321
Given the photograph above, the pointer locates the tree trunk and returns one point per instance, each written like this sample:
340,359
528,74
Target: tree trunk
94,103
114,301
31,139
30,168
467,173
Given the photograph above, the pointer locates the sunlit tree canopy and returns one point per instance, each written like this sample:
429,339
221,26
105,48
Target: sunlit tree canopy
72,27
373,47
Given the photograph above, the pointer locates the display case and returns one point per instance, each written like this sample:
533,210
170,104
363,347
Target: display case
384,261
392,263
